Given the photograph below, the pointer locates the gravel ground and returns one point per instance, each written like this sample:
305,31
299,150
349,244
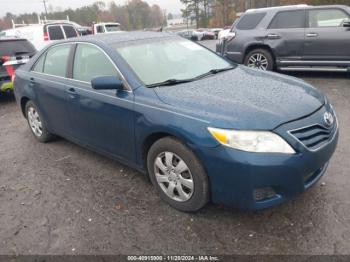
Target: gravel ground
59,198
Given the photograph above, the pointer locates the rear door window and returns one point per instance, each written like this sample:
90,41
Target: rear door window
56,60
327,18
250,21
288,19
55,32
69,31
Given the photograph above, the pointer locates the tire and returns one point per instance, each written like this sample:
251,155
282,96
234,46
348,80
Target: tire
195,194
36,123
265,57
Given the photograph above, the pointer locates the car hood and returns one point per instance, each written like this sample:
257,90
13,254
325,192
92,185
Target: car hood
244,98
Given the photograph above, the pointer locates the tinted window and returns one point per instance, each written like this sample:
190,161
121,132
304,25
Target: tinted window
55,33
69,31
250,21
327,18
56,60
16,48
112,28
289,19
100,29
39,66
91,62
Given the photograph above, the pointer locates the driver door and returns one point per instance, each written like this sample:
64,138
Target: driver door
101,119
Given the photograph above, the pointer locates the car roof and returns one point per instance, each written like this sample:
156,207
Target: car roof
11,38
293,7
121,37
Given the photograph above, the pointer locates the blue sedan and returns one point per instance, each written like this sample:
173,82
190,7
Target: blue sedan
203,129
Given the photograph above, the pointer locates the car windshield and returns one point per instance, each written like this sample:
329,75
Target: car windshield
171,61
112,28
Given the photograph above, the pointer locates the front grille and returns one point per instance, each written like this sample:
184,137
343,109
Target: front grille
315,136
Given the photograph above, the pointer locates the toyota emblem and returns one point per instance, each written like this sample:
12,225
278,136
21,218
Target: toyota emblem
328,119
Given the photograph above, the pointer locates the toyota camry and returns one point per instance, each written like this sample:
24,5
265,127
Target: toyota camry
202,128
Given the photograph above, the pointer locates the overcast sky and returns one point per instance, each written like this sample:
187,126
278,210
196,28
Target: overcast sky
21,6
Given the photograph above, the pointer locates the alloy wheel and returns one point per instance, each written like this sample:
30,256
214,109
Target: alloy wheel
258,61
35,122
174,176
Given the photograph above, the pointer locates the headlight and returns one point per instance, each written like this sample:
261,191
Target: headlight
252,141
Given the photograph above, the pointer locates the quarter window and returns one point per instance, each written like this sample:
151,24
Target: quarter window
56,60
91,62
55,32
250,21
327,18
288,19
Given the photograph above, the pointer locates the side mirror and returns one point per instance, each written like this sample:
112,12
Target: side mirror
107,83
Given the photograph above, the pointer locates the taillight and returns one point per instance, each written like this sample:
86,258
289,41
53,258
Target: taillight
46,36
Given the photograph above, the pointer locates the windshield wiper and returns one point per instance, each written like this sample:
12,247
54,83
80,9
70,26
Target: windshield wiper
170,82
214,72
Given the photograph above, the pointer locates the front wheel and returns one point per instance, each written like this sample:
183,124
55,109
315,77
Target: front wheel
177,175
259,59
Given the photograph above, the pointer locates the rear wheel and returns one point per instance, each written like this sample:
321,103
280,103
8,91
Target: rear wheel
36,124
177,175
259,59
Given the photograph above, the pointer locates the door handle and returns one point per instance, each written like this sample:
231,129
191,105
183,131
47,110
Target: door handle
273,36
71,92
31,81
312,35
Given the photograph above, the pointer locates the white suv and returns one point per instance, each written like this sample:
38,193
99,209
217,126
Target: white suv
42,34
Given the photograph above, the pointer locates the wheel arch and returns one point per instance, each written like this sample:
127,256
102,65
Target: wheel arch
153,137
24,101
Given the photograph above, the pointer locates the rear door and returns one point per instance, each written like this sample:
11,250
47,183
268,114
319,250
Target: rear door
48,80
285,35
326,38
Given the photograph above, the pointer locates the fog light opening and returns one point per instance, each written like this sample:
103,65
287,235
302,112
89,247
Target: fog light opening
264,193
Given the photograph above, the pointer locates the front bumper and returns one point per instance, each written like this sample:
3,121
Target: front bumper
235,176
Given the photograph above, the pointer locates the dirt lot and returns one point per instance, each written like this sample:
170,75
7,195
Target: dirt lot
59,198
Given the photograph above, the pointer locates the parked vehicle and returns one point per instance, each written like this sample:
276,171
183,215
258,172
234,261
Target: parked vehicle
216,31
222,34
292,38
14,52
202,127
43,33
82,30
106,28
207,34
191,35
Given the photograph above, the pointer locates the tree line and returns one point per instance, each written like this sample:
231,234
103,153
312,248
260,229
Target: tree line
134,15
219,13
